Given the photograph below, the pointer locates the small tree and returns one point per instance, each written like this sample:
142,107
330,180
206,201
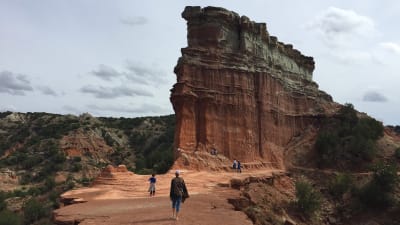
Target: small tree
385,175
340,185
33,211
9,218
3,204
397,153
49,183
308,200
378,192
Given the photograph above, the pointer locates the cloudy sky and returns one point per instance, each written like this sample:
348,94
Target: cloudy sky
116,58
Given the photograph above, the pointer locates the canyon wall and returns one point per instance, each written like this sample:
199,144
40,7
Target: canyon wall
241,91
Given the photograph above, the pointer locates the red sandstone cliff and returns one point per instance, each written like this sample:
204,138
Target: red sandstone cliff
241,91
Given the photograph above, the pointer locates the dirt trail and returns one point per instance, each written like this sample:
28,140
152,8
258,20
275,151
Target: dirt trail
125,200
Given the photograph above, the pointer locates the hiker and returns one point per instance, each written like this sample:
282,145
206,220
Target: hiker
178,193
239,167
152,188
234,164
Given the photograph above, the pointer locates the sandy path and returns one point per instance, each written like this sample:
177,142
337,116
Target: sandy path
127,202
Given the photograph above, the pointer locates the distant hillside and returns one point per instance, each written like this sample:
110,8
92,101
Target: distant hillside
43,154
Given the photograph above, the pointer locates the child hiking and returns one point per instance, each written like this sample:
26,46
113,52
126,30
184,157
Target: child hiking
152,188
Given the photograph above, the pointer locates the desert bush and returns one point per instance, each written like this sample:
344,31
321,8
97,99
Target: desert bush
54,199
3,196
4,114
77,159
378,193
397,153
18,193
385,175
347,139
340,184
9,218
308,200
76,167
33,211
34,191
369,128
31,161
397,129
85,181
49,183
326,145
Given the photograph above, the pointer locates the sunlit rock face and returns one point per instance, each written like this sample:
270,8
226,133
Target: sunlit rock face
241,91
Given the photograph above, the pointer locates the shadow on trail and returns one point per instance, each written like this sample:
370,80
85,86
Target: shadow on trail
150,221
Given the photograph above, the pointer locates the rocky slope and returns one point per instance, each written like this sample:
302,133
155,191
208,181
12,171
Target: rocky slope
241,91
43,154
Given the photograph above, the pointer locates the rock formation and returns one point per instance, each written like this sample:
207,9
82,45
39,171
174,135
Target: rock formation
241,91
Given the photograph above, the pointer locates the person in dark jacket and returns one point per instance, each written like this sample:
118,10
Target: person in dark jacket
178,193
239,167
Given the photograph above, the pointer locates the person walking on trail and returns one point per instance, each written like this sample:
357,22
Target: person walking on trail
152,188
234,166
239,167
178,193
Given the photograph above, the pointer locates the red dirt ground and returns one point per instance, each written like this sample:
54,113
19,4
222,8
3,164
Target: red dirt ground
125,200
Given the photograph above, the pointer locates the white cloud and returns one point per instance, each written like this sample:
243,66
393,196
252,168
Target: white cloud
143,108
14,84
135,72
105,72
114,92
340,27
390,46
11,108
134,21
138,71
352,57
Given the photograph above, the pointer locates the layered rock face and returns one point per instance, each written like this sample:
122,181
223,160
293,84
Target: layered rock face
241,91
79,143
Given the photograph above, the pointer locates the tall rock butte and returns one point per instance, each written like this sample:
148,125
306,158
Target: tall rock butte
241,91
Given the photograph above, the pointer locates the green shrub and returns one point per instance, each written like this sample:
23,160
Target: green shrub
49,183
54,199
347,139
85,181
326,145
308,200
31,161
385,175
76,167
69,183
378,193
3,196
340,185
9,218
397,153
18,193
397,129
26,178
33,211
77,159
4,114
369,128
34,191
